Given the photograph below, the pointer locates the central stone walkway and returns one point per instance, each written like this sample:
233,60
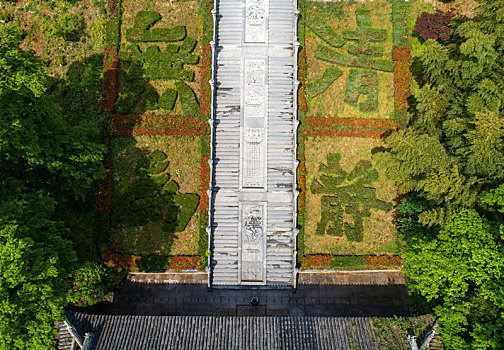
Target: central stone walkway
253,212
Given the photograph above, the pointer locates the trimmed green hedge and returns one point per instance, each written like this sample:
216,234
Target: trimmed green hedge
362,82
176,33
187,99
187,203
188,45
324,31
326,54
348,262
167,100
146,19
320,85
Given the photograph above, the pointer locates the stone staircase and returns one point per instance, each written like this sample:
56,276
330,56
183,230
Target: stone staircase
254,122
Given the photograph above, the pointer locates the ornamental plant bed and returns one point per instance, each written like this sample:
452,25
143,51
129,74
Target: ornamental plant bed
348,201
156,195
349,70
349,127
161,50
350,262
139,124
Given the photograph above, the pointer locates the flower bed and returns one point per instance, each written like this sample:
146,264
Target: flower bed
350,262
401,55
128,262
151,125
347,127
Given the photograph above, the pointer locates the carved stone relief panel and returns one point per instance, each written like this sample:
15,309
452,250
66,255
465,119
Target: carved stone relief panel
253,158
252,238
254,89
256,17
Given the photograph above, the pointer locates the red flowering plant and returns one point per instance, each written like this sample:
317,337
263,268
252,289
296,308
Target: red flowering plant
183,262
401,55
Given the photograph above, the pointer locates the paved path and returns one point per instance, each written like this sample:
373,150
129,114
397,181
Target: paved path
172,294
253,213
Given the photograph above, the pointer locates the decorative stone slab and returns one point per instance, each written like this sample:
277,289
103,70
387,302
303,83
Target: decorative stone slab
254,89
253,238
253,158
256,19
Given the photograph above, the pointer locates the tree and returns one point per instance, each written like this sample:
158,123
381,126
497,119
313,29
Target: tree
461,269
50,160
454,146
35,262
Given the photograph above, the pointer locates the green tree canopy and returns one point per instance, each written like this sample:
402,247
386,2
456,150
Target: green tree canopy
454,148
461,269
50,160
35,261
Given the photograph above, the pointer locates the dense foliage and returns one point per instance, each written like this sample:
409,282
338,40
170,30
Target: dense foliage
449,160
434,25
50,158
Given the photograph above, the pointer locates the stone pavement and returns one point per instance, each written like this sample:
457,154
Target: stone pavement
253,166
377,294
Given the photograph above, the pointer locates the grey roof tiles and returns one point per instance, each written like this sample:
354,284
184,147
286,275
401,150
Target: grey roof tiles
122,332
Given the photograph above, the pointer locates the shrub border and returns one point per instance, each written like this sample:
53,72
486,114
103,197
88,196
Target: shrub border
367,262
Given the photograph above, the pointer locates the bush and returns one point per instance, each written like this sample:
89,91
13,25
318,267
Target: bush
187,203
167,100
326,54
176,33
91,284
324,31
150,99
348,262
362,82
187,99
434,25
320,85
154,262
188,45
146,19
64,26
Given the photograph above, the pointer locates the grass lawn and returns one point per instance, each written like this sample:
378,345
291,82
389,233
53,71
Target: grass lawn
354,198
154,211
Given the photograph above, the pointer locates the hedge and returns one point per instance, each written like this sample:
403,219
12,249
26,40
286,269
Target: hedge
188,45
362,82
324,31
187,204
326,54
320,85
146,19
167,99
176,33
187,99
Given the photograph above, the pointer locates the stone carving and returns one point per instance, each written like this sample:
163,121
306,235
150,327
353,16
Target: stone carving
255,21
254,94
253,225
253,158
253,236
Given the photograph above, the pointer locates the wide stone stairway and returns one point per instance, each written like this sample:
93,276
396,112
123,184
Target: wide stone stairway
253,195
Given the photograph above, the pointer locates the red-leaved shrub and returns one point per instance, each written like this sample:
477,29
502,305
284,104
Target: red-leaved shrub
434,25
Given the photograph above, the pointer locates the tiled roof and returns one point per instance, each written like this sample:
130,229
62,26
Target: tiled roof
124,332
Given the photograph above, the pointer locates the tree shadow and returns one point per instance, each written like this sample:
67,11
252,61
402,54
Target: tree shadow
136,94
